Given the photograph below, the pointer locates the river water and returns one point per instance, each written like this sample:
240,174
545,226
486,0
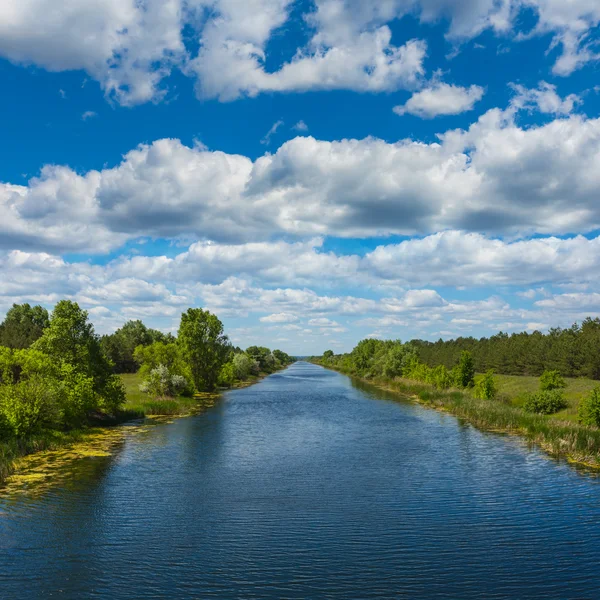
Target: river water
308,485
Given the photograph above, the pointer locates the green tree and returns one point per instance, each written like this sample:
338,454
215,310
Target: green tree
263,356
486,386
465,374
204,346
282,357
328,355
23,325
551,380
244,366
71,343
227,375
120,346
589,408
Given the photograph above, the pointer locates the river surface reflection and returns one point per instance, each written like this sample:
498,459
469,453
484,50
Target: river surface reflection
308,485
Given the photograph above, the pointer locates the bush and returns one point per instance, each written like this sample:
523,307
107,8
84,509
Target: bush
245,366
77,396
545,403
441,377
227,375
113,395
589,409
486,387
162,384
27,406
465,371
551,380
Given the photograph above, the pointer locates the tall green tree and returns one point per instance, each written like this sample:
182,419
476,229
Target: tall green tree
204,346
71,343
23,325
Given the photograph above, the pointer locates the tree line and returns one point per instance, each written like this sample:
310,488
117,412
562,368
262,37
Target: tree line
454,366
57,373
573,351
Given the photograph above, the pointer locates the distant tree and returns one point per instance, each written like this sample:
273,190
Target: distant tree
589,408
244,366
263,356
204,346
551,380
328,354
227,375
23,325
465,373
120,345
486,386
282,357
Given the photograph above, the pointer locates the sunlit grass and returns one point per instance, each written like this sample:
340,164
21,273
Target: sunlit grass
514,389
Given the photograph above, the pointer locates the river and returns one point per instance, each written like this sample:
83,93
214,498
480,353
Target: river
308,485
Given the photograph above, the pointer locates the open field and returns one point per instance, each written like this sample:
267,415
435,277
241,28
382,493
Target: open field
514,389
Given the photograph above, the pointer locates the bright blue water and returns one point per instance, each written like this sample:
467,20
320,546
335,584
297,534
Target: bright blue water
309,486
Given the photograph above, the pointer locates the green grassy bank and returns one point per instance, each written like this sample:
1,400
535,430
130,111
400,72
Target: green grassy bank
559,434
137,406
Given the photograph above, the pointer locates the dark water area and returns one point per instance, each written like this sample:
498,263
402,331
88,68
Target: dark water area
309,485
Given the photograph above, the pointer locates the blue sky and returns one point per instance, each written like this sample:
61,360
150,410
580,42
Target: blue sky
313,172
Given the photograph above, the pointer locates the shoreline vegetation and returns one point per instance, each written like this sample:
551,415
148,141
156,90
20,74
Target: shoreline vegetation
560,416
61,384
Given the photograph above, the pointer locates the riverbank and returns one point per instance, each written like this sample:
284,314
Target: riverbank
137,406
559,438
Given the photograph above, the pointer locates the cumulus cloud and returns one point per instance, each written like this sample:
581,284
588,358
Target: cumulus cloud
127,46
441,99
545,99
495,177
131,47
160,296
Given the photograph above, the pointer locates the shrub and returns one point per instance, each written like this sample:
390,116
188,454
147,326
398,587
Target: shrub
465,372
227,375
161,383
27,406
551,380
441,377
545,403
77,396
589,409
113,395
486,387
245,366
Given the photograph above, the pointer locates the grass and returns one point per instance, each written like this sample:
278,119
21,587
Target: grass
513,389
139,402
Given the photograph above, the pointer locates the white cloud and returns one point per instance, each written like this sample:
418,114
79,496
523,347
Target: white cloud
131,47
279,318
441,99
88,114
127,46
545,99
323,322
495,177
300,126
267,139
